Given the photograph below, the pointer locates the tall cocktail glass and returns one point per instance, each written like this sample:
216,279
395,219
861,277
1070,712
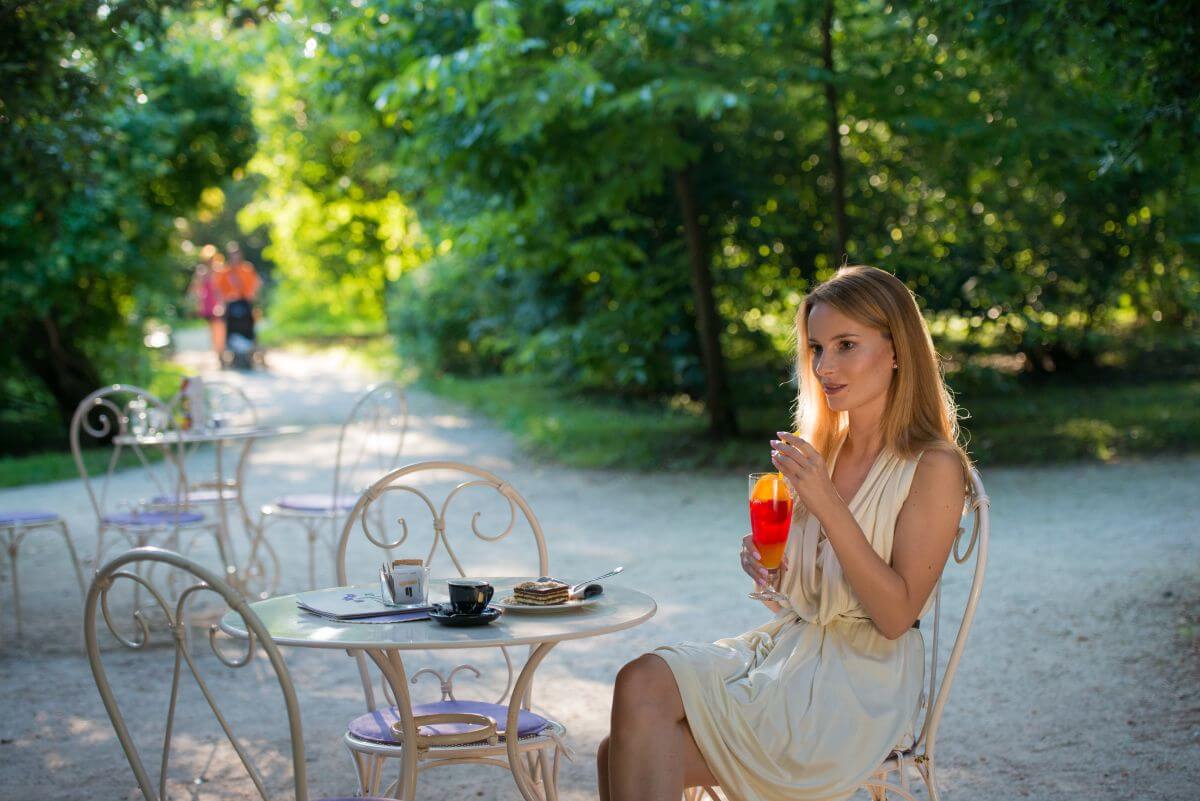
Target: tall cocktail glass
770,521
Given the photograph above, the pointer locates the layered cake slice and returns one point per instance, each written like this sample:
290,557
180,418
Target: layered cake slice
541,593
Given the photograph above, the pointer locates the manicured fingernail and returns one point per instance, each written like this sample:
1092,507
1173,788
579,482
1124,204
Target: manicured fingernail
775,443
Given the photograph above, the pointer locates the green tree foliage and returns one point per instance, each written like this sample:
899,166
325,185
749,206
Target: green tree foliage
338,229
1028,168
544,143
1077,166
106,136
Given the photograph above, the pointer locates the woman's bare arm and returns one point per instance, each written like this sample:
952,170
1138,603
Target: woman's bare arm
893,595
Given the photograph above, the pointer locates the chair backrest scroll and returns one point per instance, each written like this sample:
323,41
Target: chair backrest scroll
134,566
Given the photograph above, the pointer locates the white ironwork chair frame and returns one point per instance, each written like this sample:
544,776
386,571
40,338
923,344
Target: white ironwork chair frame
921,756
381,411
13,533
111,419
229,400
175,615
542,752
892,776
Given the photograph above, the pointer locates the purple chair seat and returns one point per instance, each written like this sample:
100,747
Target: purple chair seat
316,502
17,517
152,518
376,727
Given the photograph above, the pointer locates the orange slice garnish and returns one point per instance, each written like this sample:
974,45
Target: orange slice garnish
771,487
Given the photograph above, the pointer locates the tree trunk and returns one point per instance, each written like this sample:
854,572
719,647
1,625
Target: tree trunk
65,370
836,169
722,420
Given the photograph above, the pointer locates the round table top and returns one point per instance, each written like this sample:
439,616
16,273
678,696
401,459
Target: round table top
618,608
198,435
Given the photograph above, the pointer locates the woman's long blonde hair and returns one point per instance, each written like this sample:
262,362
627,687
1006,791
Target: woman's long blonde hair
921,412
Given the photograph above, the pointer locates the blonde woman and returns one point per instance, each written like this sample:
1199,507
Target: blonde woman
807,705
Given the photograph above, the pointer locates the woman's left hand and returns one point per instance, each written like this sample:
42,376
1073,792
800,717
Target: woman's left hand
804,468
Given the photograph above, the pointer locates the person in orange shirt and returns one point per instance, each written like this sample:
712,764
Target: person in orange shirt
236,279
237,283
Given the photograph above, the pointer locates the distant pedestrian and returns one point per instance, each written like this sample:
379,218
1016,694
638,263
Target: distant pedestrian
203,291
237,282
236,278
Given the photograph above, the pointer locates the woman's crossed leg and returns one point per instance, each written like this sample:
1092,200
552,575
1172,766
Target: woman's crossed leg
650,754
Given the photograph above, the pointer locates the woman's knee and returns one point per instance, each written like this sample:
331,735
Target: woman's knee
644,674
646,687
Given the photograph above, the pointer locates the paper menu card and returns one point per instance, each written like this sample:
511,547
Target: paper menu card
351,603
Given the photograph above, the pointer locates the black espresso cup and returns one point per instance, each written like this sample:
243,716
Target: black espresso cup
469,596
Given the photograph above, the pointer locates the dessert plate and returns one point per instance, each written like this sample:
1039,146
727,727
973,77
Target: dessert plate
510,604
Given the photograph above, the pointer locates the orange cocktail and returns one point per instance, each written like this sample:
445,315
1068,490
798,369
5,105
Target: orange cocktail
770,518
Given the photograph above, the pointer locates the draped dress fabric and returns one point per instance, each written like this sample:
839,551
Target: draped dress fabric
806,707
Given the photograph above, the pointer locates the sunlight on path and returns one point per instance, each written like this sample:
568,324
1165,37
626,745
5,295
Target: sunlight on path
1089,570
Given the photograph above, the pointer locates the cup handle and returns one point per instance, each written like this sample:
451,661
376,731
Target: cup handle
487,594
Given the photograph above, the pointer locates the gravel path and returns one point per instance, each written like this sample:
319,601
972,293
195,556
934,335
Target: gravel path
1081,679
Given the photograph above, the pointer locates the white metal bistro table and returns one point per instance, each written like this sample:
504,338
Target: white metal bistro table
219,437
617,609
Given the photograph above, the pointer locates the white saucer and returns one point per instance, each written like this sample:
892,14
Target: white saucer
509,604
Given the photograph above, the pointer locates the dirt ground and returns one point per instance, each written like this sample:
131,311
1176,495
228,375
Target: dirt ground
1081,678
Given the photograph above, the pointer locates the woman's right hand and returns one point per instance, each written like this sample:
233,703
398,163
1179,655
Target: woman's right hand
750,564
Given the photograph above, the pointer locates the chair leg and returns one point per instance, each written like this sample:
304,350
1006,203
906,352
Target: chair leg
533,766
377,777
312,556
66,535
927,774
14,545
259,545
549,774
97,560
880,787
362,770
395,788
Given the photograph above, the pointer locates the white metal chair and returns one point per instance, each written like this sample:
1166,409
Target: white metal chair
893,774
115,417
369,445
15,524
127,566
227,406
542,746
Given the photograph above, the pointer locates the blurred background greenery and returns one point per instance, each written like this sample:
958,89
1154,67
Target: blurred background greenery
594,220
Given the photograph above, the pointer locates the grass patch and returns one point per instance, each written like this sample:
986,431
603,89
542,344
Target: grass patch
160,376
594,432
1014,425
42,468
1085,422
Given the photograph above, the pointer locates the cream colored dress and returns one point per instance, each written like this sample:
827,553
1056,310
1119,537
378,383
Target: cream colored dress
805,707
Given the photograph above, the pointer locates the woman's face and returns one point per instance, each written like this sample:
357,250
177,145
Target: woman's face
852,360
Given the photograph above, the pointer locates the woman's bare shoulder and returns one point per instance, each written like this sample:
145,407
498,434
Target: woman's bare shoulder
939,477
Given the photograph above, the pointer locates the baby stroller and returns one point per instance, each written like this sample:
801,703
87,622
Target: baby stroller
241,344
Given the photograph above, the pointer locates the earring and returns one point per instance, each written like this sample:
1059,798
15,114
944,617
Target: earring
895,366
